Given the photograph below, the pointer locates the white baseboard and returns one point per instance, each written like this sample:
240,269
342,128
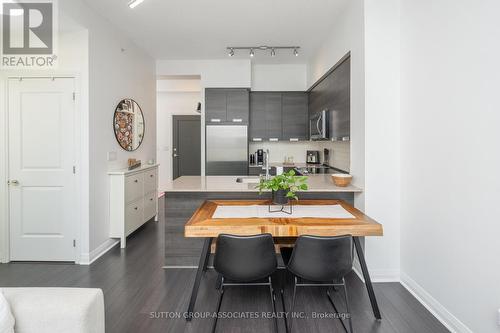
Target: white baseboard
89,258
378,275
451,322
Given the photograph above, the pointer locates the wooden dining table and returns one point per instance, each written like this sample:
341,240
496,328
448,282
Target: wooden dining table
203,225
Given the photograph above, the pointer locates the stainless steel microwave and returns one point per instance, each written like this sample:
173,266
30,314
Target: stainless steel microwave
318,126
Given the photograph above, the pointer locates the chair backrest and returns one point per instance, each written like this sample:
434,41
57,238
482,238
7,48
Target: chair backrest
322,259
245,258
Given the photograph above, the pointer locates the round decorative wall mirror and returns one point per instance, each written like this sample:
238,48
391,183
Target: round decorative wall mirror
128,123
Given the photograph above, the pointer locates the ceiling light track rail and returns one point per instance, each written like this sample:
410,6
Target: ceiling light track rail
231,49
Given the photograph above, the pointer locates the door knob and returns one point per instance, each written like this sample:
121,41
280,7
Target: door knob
175,155
13,182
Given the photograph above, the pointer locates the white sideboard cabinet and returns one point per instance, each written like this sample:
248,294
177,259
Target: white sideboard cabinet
133,200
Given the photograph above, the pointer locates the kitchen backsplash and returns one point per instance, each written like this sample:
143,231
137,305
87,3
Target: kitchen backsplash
339,151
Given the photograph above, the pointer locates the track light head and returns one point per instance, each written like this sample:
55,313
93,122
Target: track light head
252,53
231,52
295,52
273,52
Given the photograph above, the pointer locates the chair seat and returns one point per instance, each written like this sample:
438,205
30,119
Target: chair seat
228,280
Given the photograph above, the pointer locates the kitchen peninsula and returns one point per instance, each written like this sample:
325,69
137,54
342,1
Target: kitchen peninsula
186,194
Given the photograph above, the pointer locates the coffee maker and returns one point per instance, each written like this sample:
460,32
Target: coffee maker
312,157
260,156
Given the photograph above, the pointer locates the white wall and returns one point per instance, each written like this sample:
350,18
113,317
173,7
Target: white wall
450,158
228,73
113,74
179,84
369,30
382,135
171,103
279,77
347,35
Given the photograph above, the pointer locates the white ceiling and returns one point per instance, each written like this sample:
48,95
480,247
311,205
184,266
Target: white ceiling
202,29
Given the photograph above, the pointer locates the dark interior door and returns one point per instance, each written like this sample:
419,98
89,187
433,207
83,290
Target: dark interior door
186,152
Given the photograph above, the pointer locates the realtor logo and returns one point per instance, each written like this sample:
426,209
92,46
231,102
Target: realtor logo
28,34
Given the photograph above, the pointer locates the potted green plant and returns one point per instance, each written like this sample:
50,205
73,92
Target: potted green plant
284,187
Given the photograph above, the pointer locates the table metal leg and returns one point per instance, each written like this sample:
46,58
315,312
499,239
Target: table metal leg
205,253
207,257
366,275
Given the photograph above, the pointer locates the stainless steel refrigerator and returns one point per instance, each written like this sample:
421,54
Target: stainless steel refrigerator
226,150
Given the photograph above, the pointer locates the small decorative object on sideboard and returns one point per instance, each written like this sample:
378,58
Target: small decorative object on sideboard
341,180
284,187
133,163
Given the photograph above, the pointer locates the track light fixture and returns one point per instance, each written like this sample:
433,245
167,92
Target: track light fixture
273,49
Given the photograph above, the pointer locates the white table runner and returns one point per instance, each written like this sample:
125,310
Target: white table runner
261,211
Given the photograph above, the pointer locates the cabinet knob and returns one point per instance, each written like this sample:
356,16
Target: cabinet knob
151,199
215,120
256,139
136,181
237,120
135,208
273,139
151,176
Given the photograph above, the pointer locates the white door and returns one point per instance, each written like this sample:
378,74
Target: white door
41,177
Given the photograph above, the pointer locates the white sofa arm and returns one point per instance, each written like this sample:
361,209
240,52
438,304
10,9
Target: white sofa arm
56,310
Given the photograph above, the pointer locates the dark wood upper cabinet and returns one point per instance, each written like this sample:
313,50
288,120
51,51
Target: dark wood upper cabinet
237,105
277,116
226,106
273,117
265,116
295,116
333,93
215,105
257,129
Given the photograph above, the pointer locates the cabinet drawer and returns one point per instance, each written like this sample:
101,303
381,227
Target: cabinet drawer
150,180
133,187
150,205
133,215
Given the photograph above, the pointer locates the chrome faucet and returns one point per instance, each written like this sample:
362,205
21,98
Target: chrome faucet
266,167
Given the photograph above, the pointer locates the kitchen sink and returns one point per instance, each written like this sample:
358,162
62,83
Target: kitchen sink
248,180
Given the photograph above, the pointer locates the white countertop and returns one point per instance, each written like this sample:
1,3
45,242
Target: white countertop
316,183
127,171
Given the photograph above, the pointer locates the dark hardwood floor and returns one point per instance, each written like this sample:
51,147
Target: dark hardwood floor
140,295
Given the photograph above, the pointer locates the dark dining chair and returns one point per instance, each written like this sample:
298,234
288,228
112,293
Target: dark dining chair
318,262
245,261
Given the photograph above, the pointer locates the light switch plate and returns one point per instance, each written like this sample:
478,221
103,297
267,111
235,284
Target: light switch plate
111,156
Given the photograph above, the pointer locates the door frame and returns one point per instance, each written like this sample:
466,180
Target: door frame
81,127
174,132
